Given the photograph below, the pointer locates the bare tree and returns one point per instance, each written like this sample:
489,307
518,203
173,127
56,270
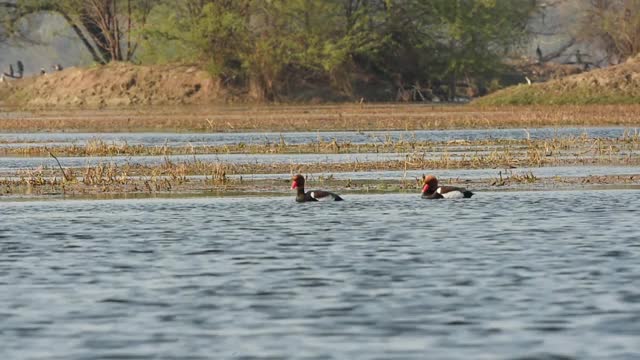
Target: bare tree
97,23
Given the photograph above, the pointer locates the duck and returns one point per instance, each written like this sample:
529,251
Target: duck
431,190
314,195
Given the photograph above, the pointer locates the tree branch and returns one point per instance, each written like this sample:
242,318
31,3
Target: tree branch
558,52
66,177
54,9
94,54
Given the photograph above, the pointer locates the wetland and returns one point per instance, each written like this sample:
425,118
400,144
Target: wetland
53,153
150,235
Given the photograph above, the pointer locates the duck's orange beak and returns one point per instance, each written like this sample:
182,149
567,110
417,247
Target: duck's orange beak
425,188
294,185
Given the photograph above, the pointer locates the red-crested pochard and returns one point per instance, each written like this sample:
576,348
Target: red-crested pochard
431,190
314,195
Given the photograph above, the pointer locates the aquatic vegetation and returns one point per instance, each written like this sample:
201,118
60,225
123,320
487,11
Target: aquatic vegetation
538,148
406,153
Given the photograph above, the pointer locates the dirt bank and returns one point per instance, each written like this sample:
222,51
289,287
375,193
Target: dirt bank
116,84
618,84
122,84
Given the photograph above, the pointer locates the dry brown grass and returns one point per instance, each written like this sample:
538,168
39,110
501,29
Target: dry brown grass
317,118
116,84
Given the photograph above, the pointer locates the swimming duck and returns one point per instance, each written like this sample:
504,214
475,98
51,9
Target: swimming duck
314,195
431,190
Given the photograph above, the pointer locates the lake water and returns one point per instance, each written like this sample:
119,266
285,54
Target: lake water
354,137
511,275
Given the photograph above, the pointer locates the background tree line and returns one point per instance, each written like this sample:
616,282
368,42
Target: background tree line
268,46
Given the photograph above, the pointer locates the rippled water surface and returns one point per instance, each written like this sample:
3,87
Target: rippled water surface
508,275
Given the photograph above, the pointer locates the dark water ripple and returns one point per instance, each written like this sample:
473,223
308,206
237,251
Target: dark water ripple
538,275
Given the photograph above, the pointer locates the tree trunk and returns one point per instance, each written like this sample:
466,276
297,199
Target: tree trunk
115,29
97,35
452,87
256,88
129,47
97,56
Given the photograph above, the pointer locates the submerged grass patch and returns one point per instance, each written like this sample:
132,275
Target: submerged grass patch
630,141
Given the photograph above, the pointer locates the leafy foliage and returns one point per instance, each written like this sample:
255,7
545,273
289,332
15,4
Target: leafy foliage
266,46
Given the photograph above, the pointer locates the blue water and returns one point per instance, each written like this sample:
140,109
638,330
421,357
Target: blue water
509,275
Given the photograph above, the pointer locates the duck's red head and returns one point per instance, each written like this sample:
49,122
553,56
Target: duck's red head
298,181
430,184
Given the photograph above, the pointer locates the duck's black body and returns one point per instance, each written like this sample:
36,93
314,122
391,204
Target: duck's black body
314,195
447,192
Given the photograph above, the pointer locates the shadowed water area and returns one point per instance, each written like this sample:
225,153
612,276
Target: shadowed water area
500,276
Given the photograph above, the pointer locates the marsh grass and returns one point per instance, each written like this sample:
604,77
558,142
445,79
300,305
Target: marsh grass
500,154
319,118
536,149
205,176
544,153
512,177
